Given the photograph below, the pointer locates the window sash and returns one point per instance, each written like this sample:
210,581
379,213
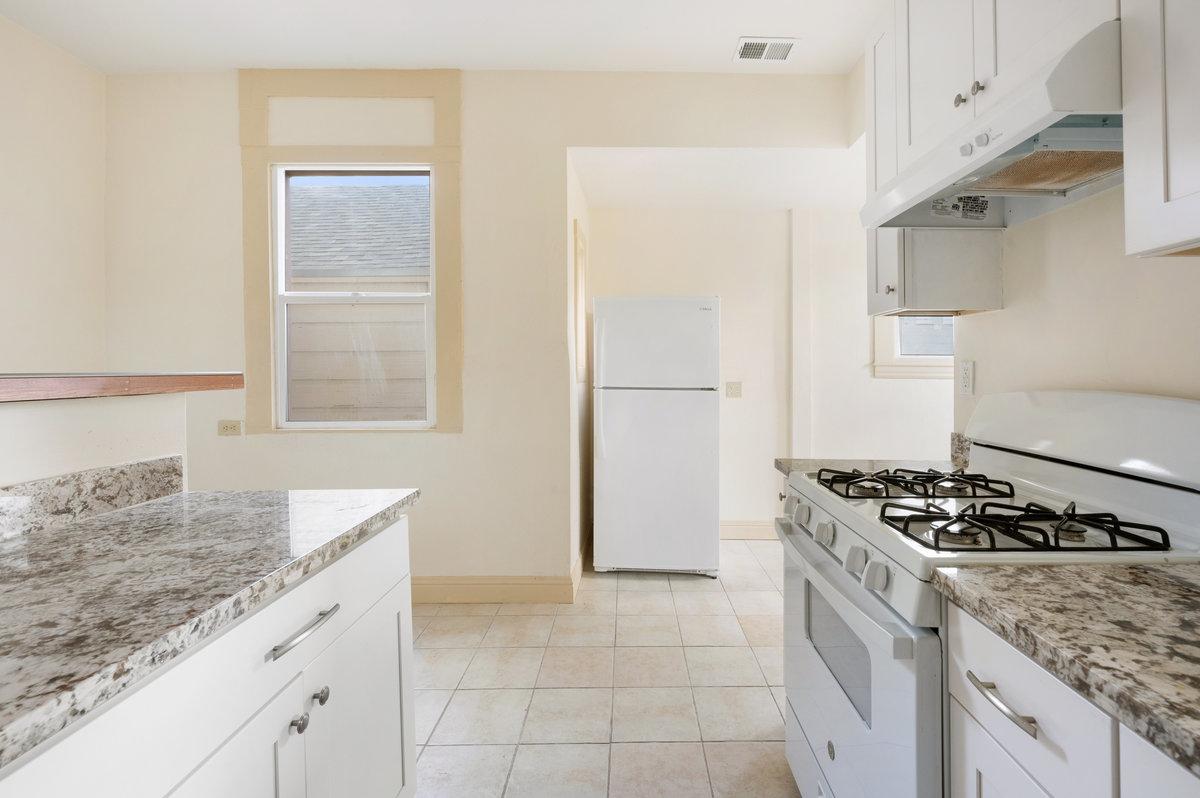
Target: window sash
282,298
888,363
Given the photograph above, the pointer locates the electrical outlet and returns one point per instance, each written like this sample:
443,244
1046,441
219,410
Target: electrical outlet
229,427
966,377
733,390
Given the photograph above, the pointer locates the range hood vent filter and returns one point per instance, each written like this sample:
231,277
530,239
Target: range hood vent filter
1051,171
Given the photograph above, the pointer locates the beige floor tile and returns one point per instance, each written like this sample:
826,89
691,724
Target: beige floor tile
770,660
728,666
645,602
756,602
711,630
559,771
420,748
655,770
702,603
440,668
569,715
758,769
428,706
453,633
643,581
648,630
748,578
737,713
654,714
418,626
479,717
650,666
690,583
461,770
518,630
584,630
510,668
528,609
779,693
576,667
425,610
734,548
591,602
591,580
467,609
763,630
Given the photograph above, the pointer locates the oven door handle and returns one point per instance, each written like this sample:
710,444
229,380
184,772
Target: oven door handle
824,572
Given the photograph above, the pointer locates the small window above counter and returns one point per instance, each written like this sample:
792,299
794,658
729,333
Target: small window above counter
41,387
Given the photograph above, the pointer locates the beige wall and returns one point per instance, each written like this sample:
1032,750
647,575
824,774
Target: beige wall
51,207
1080,314
852,414
503,497
580,419
742,256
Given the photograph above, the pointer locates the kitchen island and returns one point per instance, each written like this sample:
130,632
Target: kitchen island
1125,637
127,602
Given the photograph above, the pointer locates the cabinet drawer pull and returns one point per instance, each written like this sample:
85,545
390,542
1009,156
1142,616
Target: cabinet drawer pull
1023,722
298,638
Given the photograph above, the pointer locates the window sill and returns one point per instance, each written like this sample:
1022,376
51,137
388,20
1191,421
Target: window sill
912,372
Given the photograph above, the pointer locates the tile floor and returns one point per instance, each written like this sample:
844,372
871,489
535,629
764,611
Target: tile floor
648,685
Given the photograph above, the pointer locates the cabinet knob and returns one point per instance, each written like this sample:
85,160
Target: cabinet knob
300,723
976,87
959,100
782,496
889,289
322,695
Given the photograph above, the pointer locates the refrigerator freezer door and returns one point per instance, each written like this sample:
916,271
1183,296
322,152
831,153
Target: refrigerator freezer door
655,480
654,342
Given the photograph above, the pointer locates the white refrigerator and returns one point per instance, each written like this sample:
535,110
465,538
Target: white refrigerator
655,374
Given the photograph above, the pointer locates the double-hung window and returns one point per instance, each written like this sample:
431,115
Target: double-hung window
914,347
353,297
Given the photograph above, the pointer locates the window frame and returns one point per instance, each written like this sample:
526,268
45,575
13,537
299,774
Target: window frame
281,298
888,363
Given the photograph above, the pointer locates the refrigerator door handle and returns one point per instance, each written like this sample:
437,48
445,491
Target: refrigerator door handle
598,421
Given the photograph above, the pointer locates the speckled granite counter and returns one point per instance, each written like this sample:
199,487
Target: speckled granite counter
1127,637
786,465
92,608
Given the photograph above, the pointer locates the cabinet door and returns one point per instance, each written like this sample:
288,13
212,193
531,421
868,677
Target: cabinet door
1160,72
360,742
884,252
1147,772
881,105
979,767
934,66
264,759
1015,38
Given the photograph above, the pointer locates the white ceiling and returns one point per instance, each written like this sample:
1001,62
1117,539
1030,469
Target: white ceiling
682,177
654,35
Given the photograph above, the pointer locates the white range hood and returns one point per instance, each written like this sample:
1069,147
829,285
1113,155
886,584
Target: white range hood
1055,139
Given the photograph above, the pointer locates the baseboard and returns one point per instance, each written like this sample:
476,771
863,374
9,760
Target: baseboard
489,589
747,530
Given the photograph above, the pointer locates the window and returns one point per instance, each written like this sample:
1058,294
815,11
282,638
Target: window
914,347
354,287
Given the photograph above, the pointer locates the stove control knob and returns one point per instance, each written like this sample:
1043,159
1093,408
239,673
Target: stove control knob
825,533
856,560
875,576
801,514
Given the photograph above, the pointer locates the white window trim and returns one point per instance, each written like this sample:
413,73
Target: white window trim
281,298
888,363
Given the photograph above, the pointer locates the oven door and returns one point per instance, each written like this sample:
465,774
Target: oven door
865,686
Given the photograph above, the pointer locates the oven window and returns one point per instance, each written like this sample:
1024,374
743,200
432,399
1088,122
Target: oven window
842,652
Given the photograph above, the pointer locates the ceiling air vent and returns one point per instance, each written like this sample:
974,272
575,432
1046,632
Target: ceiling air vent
762,48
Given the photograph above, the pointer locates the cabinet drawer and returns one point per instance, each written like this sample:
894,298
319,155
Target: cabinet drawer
1074,751
150,739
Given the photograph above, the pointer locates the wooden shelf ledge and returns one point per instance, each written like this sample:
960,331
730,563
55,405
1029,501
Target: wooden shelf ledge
40,387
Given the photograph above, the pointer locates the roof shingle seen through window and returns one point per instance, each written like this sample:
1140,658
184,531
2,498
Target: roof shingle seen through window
357,230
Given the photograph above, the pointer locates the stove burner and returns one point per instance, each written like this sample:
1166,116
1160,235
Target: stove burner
868,488
1032,527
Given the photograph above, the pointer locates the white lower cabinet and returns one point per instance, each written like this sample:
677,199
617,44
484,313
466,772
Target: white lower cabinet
1147,772
979,767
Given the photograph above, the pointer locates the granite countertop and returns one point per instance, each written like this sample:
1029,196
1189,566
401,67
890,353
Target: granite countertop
92,608
1126,637
786,465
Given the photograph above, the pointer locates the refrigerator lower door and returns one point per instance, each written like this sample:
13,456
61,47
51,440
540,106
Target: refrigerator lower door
655,480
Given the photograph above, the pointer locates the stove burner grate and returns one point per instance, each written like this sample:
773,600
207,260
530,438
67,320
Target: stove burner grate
902,482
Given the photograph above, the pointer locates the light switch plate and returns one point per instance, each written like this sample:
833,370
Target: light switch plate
966,377
227,427
733,390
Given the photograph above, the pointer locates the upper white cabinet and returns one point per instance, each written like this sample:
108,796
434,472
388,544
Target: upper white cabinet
933,270
880,66
934,60
1160,77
